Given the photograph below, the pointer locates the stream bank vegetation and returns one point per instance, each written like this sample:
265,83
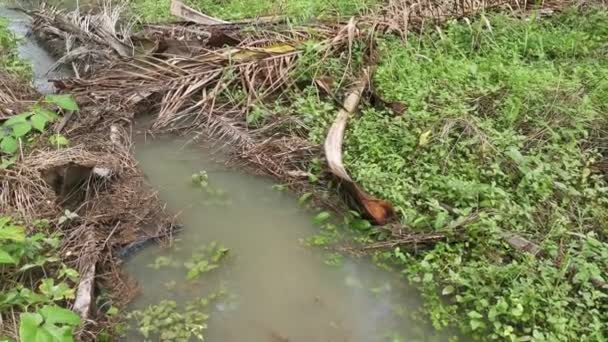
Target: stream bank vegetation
71,203
472,135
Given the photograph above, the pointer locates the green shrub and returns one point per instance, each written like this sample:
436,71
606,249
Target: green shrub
35,283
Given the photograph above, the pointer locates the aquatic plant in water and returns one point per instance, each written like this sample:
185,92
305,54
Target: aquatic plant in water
166,321
205,260
216,196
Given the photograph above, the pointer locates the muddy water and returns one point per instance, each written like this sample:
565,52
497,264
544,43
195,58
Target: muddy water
281,288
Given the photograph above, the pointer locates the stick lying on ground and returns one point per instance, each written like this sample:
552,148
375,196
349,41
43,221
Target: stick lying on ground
179,9
377,210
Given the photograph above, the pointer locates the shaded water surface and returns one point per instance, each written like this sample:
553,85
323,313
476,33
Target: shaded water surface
281,288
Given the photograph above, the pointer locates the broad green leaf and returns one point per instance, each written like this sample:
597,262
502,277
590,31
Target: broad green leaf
7,162
447,290
57,315
304,198
518,310
20,118
21,129
32,297
39,122
30,328
70,273
112,311
66,102
6,258
60,334
322,217
9,145
56,292
474,315
45,112
360,224
476,324
515,155
14,233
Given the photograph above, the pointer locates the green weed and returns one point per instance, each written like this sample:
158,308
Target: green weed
16,130
503,130
9,56
503,119
166,321
34,284
205,260
216,196
152,10
334,259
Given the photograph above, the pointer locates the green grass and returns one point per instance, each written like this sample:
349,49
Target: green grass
158,10
9,56
506,119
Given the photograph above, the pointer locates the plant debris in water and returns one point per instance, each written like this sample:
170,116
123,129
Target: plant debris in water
215,196
167,321
206,259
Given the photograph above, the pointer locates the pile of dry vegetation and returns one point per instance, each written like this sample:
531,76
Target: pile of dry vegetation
207,76
91,192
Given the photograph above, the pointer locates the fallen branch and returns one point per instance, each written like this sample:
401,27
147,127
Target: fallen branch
377,210
179,9
411,239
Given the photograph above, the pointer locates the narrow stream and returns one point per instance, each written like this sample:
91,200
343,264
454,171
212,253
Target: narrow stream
281,287
42,62
278,288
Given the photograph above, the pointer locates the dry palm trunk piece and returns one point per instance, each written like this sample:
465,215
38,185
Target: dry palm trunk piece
377,210
179,9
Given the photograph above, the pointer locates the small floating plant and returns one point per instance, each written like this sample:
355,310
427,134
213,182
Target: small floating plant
216,196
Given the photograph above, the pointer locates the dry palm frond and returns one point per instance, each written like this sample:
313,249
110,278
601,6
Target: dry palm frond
98,36
403,16
15,95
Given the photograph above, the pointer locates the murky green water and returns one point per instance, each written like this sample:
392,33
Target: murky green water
280,286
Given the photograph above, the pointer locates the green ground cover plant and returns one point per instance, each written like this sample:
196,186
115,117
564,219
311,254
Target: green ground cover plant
153,10
503,130
505,120
35,283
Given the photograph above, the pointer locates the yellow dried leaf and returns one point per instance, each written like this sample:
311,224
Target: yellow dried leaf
279,49
424,138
